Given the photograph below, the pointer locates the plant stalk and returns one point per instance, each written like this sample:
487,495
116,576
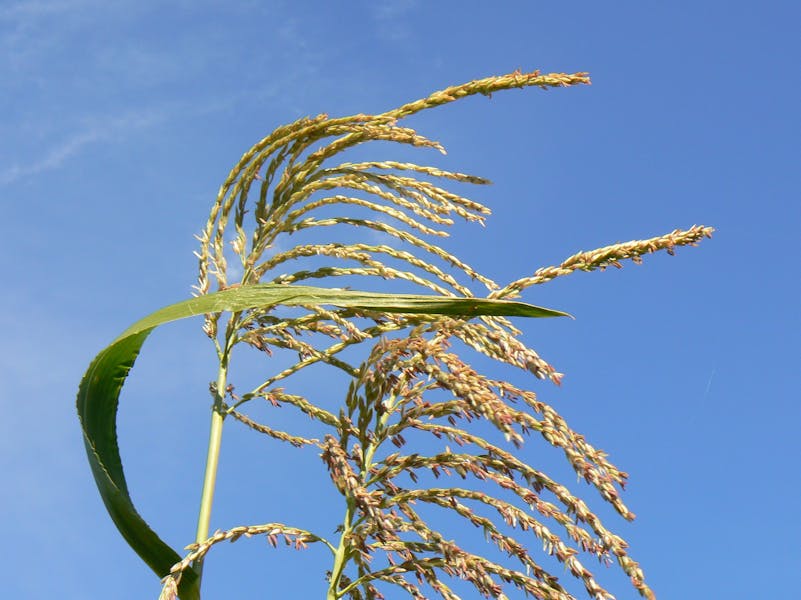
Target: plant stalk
341,555
212,460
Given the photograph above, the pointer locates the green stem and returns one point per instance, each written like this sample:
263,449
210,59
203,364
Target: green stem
212,459
341,556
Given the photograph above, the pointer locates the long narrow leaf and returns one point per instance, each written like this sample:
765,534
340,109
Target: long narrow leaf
268,294
99,391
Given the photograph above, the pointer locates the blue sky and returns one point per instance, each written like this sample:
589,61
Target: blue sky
119,121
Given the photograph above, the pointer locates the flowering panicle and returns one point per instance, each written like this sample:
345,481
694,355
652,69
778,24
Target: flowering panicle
409,383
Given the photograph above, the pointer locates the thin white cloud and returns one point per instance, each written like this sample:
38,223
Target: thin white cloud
390,15
392,9
99,130
51,160
96,130
32,32
53,121
37,9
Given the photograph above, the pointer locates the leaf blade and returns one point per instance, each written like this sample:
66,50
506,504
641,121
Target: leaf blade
265,294
101,385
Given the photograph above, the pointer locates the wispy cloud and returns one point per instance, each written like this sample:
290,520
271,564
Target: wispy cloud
98,130
390,16
27,33
51,160
36,9
64,62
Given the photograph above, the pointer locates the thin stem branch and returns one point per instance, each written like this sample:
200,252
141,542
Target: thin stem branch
343,552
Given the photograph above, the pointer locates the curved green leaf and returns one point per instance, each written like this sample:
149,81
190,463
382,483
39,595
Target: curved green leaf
99,391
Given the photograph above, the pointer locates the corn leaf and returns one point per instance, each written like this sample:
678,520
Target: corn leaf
99,391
